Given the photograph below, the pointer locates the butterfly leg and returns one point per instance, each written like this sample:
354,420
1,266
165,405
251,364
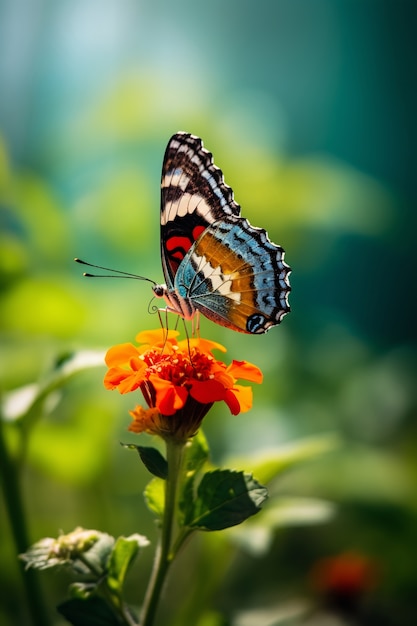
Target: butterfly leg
188,339
163,326
196,324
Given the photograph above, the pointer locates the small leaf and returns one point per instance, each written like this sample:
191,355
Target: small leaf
151,458
82,590
226,498
155,496
92,611
122,556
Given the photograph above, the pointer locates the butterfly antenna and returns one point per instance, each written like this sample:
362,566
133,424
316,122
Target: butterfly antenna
119,273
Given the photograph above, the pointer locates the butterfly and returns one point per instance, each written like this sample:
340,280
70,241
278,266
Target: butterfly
214,262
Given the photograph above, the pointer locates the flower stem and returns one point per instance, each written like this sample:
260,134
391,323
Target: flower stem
164,555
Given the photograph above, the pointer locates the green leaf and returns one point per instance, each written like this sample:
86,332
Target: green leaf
122,556
226,498
24,402
151,458
155,496
279,614
98,554
92,611
271,463
257,535
196,453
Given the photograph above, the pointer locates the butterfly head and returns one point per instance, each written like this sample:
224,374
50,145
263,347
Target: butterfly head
159,290
175,303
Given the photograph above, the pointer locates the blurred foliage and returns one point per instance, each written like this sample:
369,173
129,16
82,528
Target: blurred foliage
312,132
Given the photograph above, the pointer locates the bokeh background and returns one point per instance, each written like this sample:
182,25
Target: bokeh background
308,107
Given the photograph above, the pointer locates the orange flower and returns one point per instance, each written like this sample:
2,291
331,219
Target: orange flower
180,381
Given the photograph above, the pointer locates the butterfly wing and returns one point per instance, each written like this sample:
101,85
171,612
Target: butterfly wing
193,196
236,277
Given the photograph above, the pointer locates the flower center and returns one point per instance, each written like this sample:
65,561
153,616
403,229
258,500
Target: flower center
179,367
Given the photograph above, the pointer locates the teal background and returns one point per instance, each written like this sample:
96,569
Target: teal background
308,107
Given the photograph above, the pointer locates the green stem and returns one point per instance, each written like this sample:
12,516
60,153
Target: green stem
164,555
9,472
183,535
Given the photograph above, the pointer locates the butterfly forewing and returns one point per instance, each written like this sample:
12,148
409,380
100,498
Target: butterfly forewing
193,196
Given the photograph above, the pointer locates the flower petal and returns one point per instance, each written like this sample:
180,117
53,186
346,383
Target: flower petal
120,354
122,380
245,371
169,397
222,376
157,337
207,391
203,345
145,420
239,399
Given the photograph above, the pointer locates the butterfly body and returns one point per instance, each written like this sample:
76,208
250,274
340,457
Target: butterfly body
214,261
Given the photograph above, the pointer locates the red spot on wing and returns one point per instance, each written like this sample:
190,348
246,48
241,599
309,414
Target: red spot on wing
178,246
197,232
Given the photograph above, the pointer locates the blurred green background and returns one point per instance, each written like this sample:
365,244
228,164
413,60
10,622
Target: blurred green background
308,108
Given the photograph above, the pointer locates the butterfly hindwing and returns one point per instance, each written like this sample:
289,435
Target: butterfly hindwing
193,196
236,277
